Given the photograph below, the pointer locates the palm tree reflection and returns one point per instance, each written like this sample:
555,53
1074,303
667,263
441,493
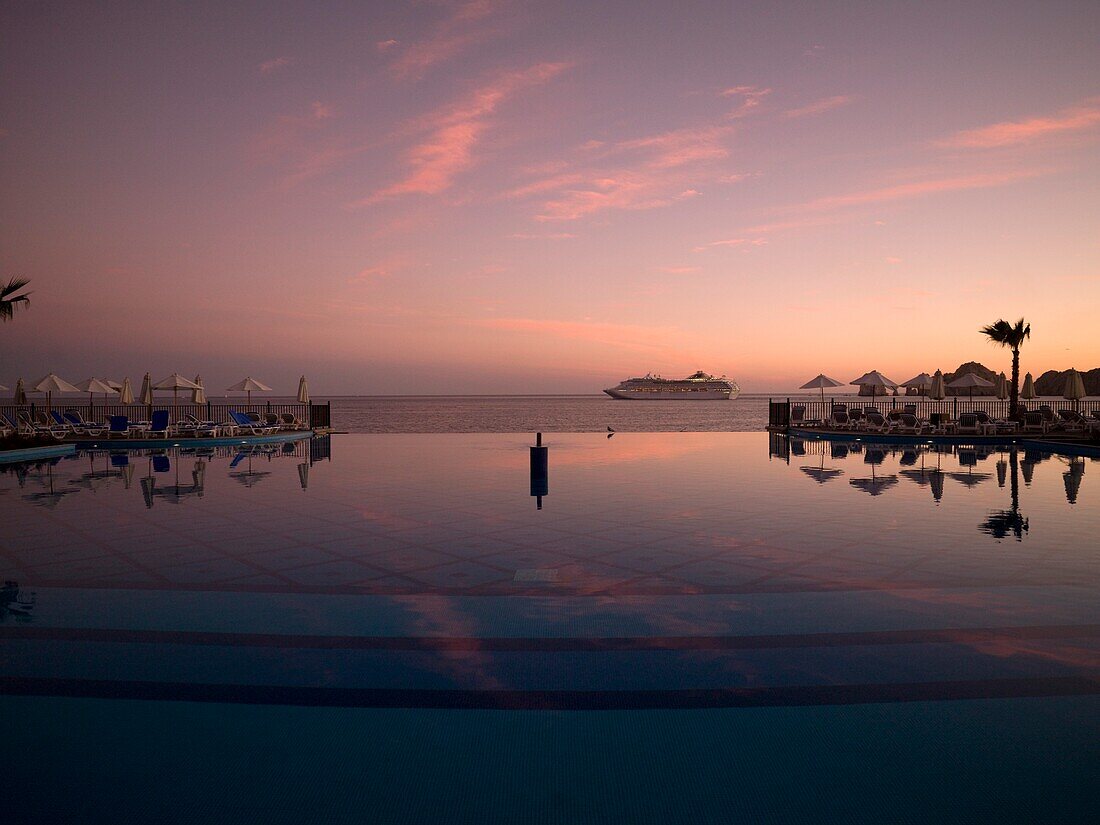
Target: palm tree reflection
1002,523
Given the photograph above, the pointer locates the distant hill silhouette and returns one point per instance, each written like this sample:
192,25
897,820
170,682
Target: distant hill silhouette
1053,382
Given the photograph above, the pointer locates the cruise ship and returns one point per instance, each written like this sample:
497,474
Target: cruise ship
696,387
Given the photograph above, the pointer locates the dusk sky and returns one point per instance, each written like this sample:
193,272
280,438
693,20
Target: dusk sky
546,197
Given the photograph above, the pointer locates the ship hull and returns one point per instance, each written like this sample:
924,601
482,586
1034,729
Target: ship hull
671,395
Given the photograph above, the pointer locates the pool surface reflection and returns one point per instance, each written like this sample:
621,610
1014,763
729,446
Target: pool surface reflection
693,627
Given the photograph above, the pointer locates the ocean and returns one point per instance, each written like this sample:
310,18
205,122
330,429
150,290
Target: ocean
546,413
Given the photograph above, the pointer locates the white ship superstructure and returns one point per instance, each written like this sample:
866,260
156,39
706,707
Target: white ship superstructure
698,386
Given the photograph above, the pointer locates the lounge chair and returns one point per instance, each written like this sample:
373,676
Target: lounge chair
82,427
118,425
839,420
159,426
291,422
969,425
873,422
1034,423
855,415
41,427
798,417
1073,421
907,424
194,428
246,424
18,425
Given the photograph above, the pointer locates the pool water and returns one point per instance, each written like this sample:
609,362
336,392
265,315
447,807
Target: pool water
682,627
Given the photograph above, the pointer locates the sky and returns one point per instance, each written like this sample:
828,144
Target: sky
494,196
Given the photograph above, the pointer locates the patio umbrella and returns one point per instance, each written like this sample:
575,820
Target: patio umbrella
303,391
94,385
2,387
921,383
126,394
1001,386
20,393
820,383
247,385
1075,387
175,382
303,475
1027,392
114,385
198,395
146,397
51,384
875,379
937,392
970,381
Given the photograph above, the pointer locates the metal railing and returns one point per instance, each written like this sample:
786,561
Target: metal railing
779,411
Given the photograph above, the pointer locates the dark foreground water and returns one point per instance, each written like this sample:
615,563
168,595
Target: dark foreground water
694,627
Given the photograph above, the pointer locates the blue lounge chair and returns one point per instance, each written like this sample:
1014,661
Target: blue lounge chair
248,425
161,463
120,460
159,426
118,425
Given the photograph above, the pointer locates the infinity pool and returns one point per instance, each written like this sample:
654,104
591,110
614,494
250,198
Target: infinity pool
683,627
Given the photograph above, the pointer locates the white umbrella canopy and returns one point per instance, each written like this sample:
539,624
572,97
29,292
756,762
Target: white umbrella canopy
51,384
820,383
1027,392
937,391
970,381
94,385
1001,385
3,388
126,392
1075,386
146,390
175,382
875,379
303,391
198,395
919,382
248,385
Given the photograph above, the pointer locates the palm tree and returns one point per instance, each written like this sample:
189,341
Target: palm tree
1011,336
12,295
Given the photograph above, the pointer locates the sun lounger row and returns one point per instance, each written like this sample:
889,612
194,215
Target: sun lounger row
72,424
905,421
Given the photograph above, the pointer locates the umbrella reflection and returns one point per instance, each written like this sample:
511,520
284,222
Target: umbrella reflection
876,485
1072,478
1002,523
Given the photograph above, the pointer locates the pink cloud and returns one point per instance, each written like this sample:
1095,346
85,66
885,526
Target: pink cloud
904,191
819,106
383,269
619,336
750,99
385,45
533,236
453,133
680,270
269,66
1010,133
460,30
640,173
733,242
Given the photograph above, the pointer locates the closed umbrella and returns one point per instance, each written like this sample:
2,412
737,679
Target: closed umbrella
875,379
248,385
1028,391
1001,386
146,397
126,394
175,382
51,384
1072,478
937,392
303,391
1075,387
20,393
198,395
968,382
